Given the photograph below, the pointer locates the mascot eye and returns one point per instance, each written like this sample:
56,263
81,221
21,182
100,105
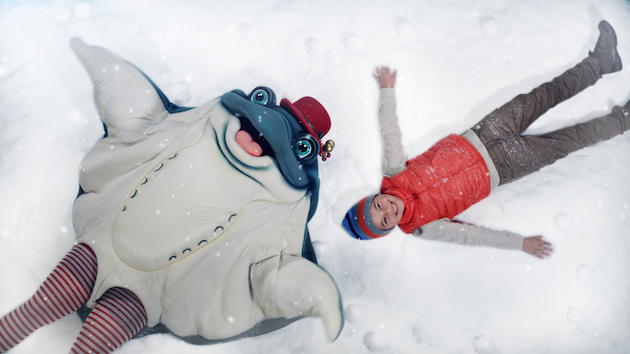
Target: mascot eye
263,95
304,148
260,96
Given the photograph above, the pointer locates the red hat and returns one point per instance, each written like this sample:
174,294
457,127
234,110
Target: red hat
311,115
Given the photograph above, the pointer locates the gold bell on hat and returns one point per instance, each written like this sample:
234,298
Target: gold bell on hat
327,149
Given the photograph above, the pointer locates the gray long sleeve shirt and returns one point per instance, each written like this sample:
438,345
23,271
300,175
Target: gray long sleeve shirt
395,161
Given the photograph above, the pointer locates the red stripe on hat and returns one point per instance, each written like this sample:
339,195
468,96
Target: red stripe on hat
362,223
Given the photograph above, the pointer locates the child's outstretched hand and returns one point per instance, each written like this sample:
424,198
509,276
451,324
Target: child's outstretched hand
385,77
537,247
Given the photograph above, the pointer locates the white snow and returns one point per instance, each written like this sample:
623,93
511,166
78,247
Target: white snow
457,60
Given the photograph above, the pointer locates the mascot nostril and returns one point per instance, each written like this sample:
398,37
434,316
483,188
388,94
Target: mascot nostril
201,221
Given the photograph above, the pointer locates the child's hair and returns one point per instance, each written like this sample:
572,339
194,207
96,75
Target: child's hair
358,221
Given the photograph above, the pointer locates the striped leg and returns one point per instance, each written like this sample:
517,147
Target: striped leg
117,317
65,290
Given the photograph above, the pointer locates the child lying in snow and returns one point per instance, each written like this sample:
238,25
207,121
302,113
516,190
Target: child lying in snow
423,194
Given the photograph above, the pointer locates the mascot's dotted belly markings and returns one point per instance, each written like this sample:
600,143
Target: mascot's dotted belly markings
206,228
218,229
186,200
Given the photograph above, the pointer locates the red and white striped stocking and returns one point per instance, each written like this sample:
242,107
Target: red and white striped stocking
117,316
65,290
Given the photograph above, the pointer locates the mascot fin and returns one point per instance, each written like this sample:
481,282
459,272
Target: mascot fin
126,99
290,286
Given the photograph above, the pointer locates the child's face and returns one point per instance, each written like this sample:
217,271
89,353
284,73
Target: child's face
386,210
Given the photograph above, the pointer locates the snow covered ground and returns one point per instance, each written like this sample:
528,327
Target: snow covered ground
457,60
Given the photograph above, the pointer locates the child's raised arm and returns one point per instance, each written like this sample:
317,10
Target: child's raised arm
385,77
394,157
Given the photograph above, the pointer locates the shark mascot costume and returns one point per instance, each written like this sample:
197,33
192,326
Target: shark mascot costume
196,217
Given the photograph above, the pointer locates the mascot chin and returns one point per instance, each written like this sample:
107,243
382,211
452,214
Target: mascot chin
190,220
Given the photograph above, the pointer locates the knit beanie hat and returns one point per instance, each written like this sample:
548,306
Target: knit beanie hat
358,221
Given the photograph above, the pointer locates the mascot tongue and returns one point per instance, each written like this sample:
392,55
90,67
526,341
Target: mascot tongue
244,140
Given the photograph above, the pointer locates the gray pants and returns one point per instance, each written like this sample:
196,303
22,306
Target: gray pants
516,156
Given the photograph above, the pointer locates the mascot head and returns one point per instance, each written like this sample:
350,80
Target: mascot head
291,134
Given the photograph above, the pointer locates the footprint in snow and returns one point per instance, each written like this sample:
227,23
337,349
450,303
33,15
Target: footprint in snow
353,43
404,28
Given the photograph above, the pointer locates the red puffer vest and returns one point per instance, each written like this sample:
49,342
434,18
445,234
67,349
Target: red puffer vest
444,181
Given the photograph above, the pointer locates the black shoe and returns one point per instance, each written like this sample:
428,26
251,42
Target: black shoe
606,49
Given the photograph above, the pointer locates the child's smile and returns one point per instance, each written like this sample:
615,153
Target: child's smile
387,211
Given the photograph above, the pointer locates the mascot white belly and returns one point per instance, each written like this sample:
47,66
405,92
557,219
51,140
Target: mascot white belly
208,230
